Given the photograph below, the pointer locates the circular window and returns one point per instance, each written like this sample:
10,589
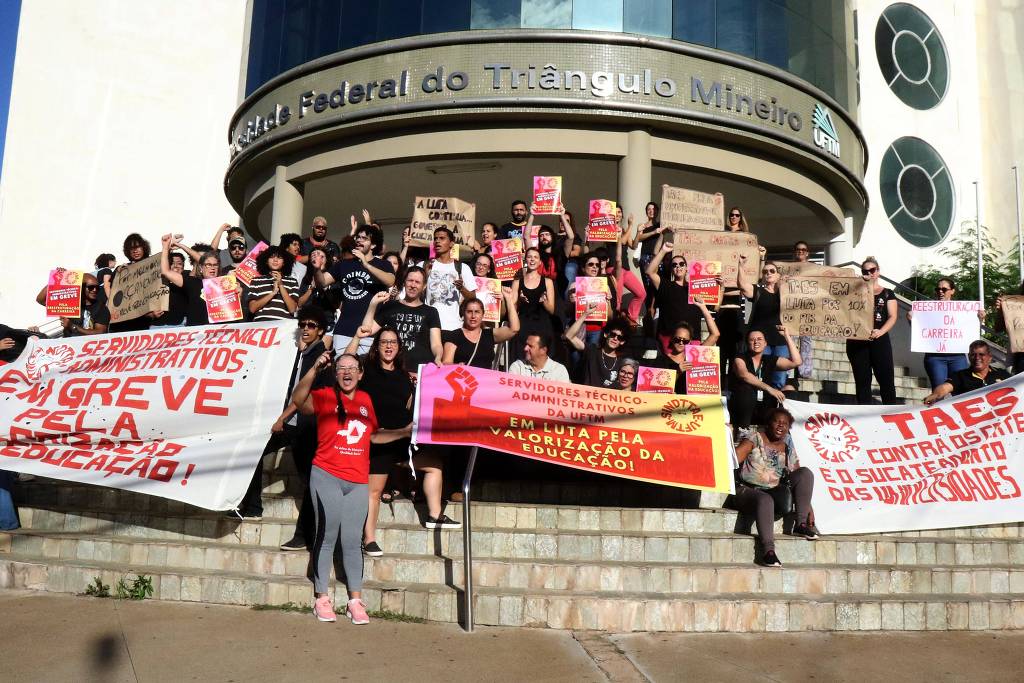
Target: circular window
912,56
917,192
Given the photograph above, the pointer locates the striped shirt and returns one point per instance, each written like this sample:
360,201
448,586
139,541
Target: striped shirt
275,308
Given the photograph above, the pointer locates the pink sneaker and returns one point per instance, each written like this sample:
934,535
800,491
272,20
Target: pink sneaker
322,609
356,611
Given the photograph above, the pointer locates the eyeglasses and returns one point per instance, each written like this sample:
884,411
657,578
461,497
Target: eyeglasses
627,372
237,247
943,290
868,271
388,342
616,335
595,264
768,271
679,264
91,287
680,340
308,325
735,215
347,369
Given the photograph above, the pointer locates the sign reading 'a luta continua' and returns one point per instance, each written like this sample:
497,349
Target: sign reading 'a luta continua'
827,307
691,209
431,213
660,438
137,289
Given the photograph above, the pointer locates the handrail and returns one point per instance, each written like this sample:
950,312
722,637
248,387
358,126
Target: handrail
467,530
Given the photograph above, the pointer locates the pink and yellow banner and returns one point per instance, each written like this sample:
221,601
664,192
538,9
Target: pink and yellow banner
547,195
664,439
64,293
601,225
508,257
246,271
223,299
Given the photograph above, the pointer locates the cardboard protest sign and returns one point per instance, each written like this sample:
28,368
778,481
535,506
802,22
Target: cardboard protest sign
454,251
877,468
246,271
800,268
601,225
683,209
1013,316
137,289
724,247
64,293
488,292
431,213
703,282
704,377
665,439
656,380
508,257
827,307
592,291
547,195
185,415
944,326
223,297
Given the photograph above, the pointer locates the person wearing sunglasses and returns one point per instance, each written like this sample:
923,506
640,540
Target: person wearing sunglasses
602,361
752,395
735,221
672,296
593,265
801,254
874,355
764,316
338,482
683,335
94,318
941,366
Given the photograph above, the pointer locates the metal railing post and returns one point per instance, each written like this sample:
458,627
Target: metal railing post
467,541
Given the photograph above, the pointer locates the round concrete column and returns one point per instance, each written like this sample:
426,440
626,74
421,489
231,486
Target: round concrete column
635,178
286,215
840,249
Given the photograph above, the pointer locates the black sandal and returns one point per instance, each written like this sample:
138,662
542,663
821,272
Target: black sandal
388,497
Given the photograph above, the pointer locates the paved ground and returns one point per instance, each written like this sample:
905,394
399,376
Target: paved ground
48,637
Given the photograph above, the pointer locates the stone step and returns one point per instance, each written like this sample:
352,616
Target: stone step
508,606
656,545
537,574
54,499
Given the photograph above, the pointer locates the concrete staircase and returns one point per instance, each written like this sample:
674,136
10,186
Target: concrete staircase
555,566
833,378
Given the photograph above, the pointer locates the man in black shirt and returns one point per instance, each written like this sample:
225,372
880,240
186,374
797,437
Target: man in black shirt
515,227
979,375
94,317
319,240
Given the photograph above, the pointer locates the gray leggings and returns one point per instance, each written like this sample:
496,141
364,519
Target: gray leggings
760,504
339,507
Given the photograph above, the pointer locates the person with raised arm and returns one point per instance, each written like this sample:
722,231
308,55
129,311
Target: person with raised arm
472,343
681,336
417,324
672,296
752,393
346,426
208,265
534,294
601,361
765,314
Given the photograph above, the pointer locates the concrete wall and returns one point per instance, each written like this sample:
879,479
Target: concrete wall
117,124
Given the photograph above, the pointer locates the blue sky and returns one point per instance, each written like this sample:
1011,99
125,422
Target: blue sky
10,11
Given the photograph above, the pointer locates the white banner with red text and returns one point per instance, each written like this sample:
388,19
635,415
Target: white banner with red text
957,463
181,413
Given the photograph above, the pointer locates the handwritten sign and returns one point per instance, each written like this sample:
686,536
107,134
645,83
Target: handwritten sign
137,289
1013,315
802,268
944,326
724,247
827,307
683,209
431,213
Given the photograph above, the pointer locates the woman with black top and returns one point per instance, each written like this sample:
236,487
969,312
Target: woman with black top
135,249
473,344
191,287
764,315
875,353
672,296
729,315
535,298
174,316
752,393
602,361
682,335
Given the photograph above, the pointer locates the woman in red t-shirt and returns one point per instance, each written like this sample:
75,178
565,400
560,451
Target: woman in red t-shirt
346,424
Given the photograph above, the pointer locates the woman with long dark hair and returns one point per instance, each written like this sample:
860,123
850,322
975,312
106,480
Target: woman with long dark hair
534,295
473,344
941,366
275,294
346,425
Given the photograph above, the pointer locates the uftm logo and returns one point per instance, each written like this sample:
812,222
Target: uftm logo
825,135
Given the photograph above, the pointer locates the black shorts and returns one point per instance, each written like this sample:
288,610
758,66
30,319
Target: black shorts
384,456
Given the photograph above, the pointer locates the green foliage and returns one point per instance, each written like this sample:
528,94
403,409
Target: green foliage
1001,272
97,588
140,588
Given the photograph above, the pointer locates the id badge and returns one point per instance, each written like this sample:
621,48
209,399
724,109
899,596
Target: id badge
760,395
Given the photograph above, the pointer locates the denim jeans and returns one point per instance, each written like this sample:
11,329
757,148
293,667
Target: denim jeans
778,378
941,366
8,513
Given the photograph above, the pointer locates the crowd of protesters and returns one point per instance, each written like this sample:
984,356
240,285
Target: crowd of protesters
374,316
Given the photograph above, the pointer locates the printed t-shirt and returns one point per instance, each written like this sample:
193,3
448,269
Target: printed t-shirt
413,324
442,293
600,370
343,451
90,315
510,230
357,288
882,300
